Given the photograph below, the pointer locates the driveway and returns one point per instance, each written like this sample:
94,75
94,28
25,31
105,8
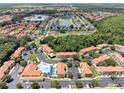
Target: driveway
14,75
74,72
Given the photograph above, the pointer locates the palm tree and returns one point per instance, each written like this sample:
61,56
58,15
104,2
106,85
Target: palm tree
33,58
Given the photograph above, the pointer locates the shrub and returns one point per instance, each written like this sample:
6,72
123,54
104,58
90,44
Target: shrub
79,84
35,85
19,86
79,75
69,64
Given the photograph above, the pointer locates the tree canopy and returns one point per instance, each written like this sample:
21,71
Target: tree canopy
109,30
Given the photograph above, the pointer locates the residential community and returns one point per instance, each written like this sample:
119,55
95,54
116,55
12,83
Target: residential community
60,47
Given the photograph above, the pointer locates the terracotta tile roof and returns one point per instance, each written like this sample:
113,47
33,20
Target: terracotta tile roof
60,68
100,59
17,52
47,48
100,46
31,70
118,56
85,68
110,69
5,18
5,67
59,54
85,50
31,28
119,46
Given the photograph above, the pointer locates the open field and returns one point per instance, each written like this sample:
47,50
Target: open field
58,34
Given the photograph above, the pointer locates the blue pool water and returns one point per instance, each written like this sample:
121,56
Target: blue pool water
45,68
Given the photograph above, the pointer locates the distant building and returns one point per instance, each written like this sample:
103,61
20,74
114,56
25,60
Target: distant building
66,54
86,50
101,46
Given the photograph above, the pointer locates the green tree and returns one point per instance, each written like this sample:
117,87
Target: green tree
112,48
71,26
19,86
33,58
3,85
23,63
79,75
33,45
7,78
95,83
79,84
55,84
76,64
35,85
70,75
69,64
18,59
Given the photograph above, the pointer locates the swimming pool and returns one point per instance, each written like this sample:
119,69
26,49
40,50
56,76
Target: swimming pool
45,68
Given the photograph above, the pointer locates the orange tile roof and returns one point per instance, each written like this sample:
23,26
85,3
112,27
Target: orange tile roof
110,69
100,46
5,18
60,68
58,54
47,48
100,59
17,52
5,67
31,70
118,56
85,68
85,50
31,28
120,46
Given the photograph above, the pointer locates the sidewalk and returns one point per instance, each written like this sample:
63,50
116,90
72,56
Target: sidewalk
66,79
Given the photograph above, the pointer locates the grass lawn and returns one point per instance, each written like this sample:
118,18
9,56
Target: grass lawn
73,86
112,85
58,34
94,71
33,57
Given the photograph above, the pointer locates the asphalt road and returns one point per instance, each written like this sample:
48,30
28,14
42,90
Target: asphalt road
64,83
14,75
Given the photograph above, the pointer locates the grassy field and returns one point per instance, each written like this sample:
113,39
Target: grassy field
58,34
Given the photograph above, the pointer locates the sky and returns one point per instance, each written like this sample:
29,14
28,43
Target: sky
61,1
